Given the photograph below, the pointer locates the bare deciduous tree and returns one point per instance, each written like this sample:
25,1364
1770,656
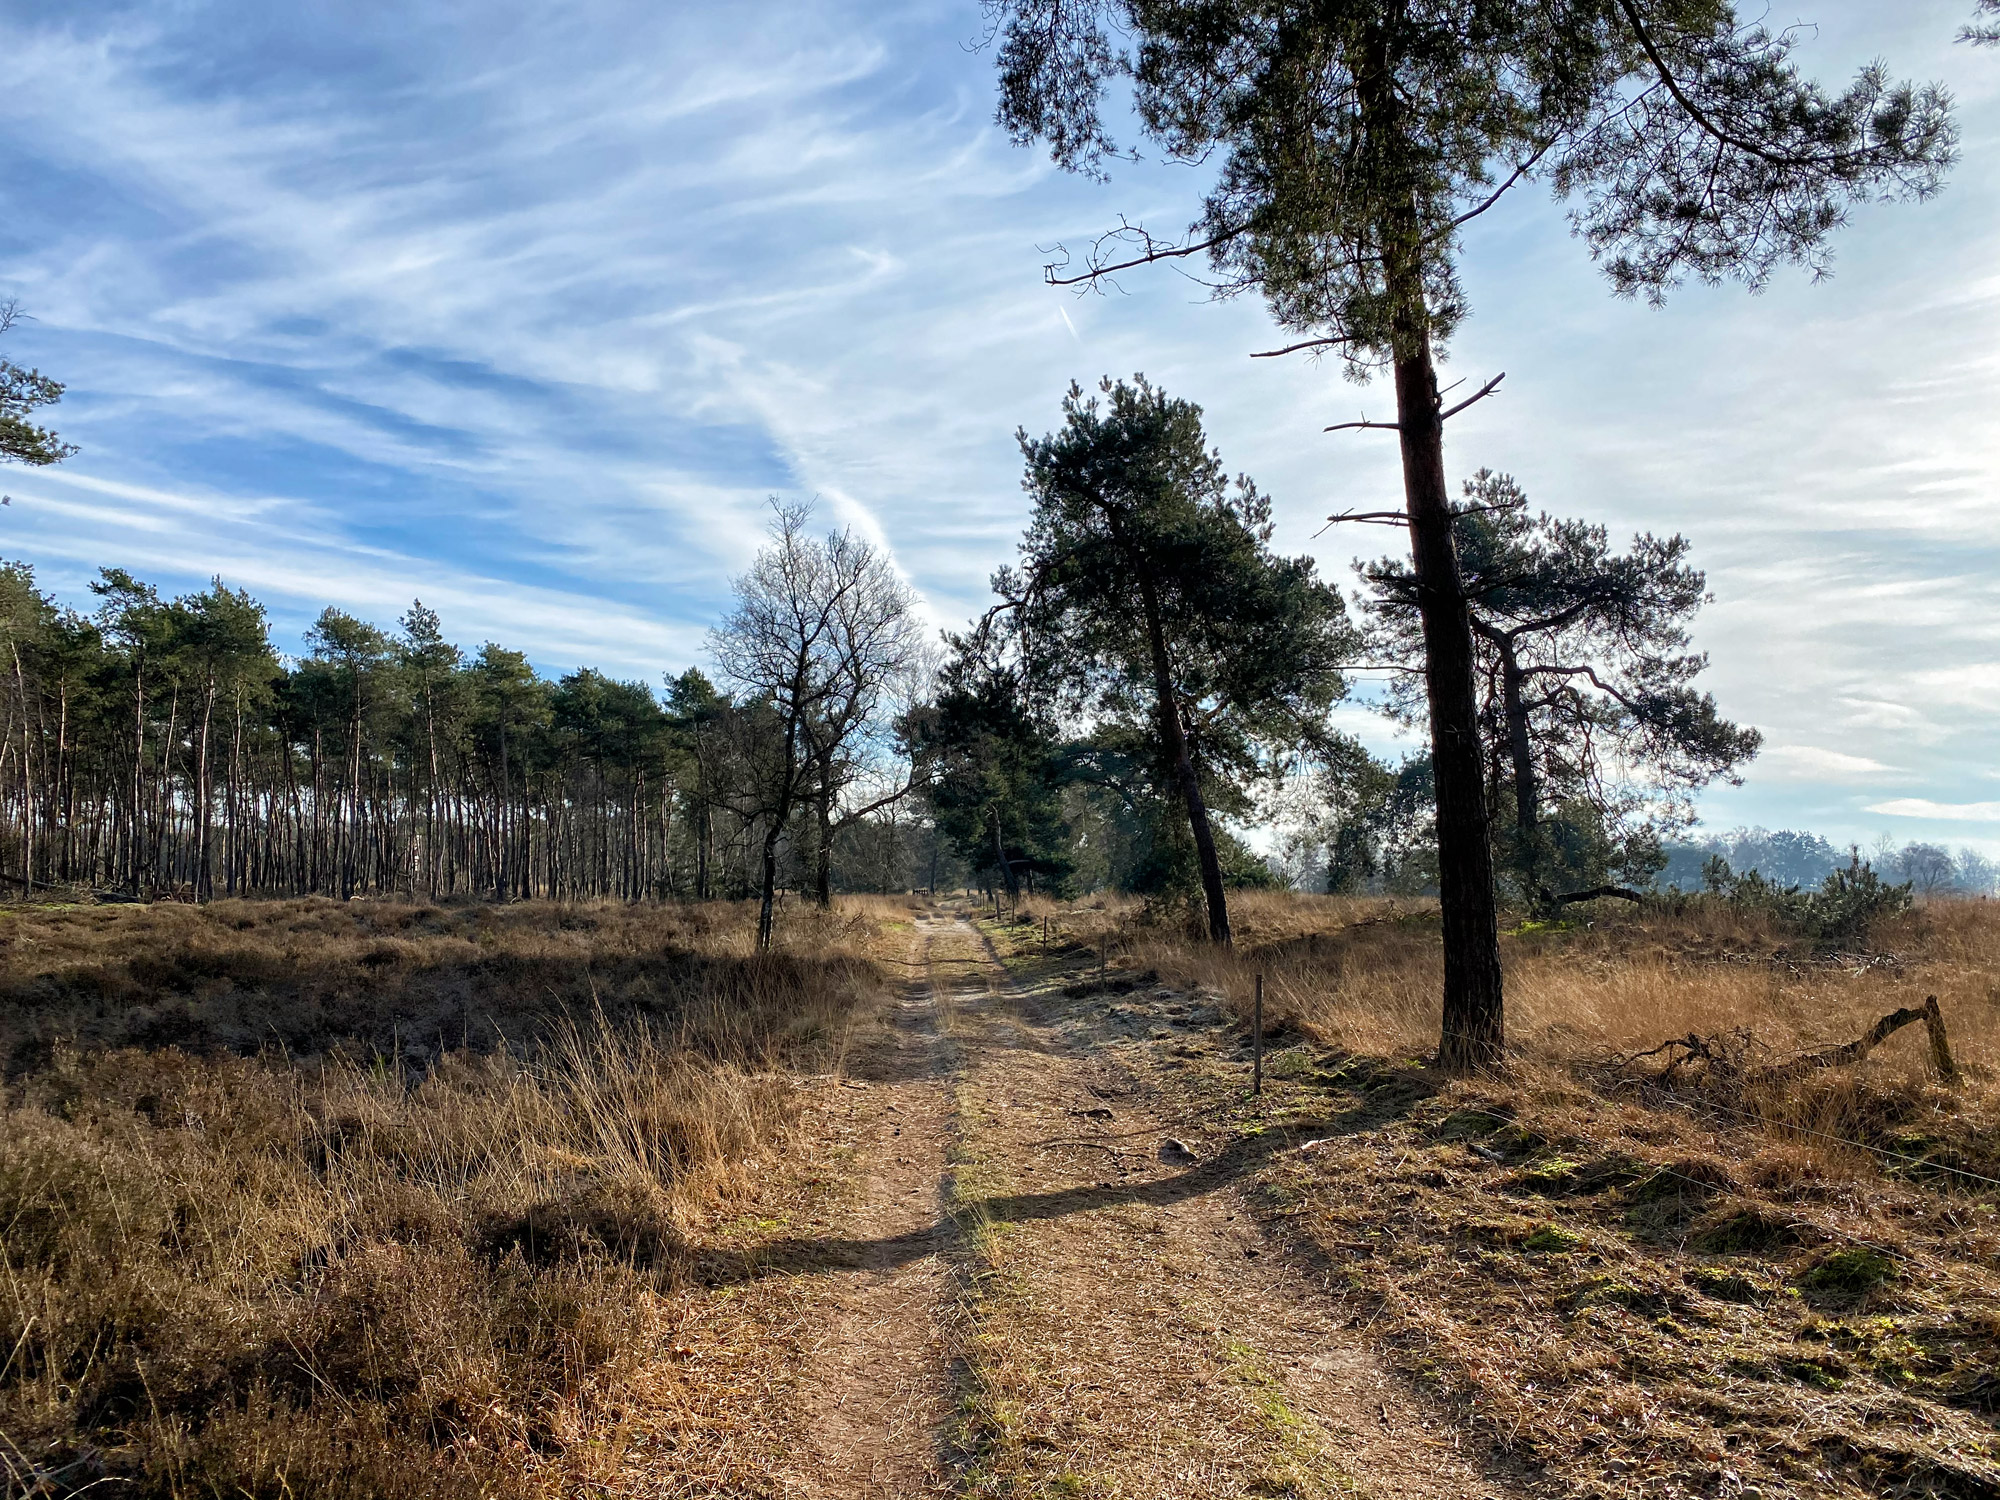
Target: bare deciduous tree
820,631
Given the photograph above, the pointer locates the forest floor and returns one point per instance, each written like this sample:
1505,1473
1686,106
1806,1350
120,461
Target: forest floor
936,1204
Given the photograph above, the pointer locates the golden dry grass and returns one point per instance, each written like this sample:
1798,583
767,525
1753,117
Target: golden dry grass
1364,975
1680,1285
370,1199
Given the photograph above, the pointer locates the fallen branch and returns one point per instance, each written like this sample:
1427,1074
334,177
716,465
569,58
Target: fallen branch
1854,1051
1690,1048
1623,893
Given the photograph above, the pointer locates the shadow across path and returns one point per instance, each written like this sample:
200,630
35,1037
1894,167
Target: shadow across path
1240,1157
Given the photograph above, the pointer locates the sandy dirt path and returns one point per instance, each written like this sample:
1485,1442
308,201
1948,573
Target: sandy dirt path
874,1372
1142,1335
1025,1299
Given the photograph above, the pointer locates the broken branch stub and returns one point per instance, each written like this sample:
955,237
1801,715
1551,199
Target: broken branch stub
1941,1063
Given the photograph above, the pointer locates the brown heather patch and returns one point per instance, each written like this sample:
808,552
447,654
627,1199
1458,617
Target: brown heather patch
1647,1290
370,1199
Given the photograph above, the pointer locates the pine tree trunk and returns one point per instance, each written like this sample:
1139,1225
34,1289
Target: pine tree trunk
1000,854
27,786
1473,1034
1474,1030
163,826
350,825
138,772
500,819
232,807
65,781
1174,736
704,843
204,885
787,790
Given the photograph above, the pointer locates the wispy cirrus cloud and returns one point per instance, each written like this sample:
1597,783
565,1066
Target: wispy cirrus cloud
527,307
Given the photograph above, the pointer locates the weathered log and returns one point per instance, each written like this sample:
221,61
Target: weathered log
1852,1052
1623,893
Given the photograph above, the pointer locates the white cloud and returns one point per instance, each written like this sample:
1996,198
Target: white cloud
1812,763
1945,812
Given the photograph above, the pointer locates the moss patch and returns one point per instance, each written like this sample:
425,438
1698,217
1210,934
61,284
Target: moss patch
1550,1239
1843,1277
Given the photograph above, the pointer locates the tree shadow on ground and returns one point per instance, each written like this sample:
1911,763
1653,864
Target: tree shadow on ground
1238,1159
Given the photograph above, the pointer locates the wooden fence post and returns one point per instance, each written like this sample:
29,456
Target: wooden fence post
1257,1040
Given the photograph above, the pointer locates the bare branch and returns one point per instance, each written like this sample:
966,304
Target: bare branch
1479,395
1588,672
1366,518
1154,251
1498,193
1854,1051
915,783
1348,426
1303,344
1729,138
1597,892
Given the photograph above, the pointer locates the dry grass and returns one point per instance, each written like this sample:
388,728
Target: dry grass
1364,976
1679,1285
303,1198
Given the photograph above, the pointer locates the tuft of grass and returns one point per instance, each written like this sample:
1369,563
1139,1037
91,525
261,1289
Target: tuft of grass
1727,1286
1551,1239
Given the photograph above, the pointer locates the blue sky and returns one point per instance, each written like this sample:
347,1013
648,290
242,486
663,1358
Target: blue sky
525,309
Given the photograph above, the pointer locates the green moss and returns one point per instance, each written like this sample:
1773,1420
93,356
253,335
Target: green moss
1550,1239
1513,1140
1825,1373
1467,1125
1609,1291
1606,1172
1550,1175
1844,1277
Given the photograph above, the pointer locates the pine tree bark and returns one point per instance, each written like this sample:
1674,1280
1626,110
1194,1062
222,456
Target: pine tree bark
1474,1028
1473,1033
204,884
138,771
1174,736
779,814
1520,759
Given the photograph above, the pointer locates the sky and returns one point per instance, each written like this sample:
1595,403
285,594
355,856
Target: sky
527,310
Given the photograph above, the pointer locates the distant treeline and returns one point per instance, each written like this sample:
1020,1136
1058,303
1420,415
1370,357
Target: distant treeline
163,746
1806,859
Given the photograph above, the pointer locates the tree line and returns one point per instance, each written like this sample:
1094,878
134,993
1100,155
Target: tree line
1804,859
155,746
